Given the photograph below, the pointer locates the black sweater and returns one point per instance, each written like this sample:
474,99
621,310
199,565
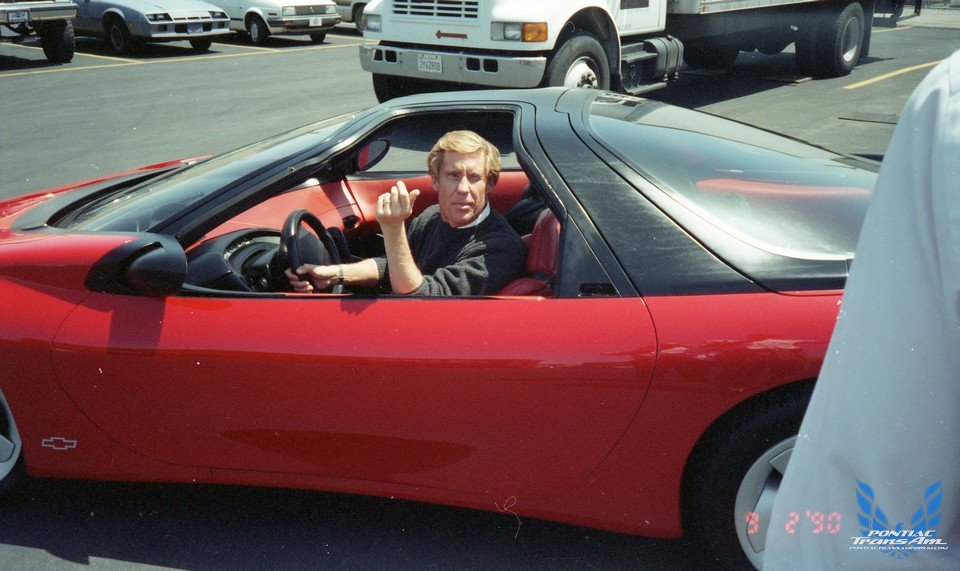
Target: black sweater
473,261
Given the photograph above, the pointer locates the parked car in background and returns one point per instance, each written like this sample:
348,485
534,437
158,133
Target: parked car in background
125,24
350,11
260,19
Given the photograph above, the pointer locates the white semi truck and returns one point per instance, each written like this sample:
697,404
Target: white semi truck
626,45
48,19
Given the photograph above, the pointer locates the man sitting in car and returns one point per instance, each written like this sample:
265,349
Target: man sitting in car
459,247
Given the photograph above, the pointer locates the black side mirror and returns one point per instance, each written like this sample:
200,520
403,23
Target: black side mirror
153,265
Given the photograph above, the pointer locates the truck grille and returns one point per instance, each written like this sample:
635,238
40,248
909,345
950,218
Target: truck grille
436,8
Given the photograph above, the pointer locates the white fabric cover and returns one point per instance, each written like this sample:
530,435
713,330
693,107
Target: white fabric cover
883,426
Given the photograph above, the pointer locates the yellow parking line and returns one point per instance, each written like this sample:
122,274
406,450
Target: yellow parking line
892,74
127,62
81,53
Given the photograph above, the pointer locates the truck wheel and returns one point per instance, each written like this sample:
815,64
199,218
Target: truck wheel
257,30
729,496
58,41
201,45
387,87
13,471
357,15
118,35
840,40
580,62
699,56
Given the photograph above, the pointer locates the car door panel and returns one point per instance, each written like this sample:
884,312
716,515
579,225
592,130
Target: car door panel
518,395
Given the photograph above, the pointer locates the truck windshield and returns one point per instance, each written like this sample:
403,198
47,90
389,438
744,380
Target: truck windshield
139,208
779,194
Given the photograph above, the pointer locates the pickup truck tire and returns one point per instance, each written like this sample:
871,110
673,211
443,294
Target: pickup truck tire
580,62
201,45
706,55
118,36
58,41
257,30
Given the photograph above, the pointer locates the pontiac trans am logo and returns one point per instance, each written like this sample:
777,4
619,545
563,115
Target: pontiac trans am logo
898,542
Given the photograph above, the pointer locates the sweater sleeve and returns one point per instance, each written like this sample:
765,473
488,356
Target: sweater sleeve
483,268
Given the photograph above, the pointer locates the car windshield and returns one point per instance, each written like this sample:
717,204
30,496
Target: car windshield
141,207
781,195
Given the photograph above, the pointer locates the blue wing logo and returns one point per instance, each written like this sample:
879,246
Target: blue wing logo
871,517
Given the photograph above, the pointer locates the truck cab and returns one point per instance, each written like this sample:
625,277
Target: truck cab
626,45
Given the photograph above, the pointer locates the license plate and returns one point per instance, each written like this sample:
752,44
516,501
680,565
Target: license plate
18,16
316,22
429,63
194,28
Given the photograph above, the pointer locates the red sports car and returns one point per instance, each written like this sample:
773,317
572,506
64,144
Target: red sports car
645,376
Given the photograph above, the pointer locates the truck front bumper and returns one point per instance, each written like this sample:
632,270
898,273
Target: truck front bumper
477,69
18,13
302,24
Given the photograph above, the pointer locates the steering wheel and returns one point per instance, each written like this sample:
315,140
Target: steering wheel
298,246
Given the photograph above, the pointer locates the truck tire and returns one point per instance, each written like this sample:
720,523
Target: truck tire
58,41
737,472
580,62
387,87
257,30
357,14
13,470
833,48
705,55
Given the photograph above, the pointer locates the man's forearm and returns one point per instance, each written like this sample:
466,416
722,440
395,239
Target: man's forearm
363,273
405,277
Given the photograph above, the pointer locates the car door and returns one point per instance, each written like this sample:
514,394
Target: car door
518,395
88,16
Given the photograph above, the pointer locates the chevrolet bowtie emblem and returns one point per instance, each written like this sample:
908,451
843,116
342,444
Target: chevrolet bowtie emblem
58,443
446,35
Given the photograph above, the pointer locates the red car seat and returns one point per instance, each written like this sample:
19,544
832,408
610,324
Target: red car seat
542,247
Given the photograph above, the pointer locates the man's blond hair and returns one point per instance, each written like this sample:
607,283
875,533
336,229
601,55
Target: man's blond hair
465,142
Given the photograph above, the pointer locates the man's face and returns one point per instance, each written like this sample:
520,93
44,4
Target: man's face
462,187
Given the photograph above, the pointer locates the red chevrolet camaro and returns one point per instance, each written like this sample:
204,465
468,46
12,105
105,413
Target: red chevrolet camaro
645,375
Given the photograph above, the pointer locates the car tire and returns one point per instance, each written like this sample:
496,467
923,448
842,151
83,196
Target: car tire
58,41
318,38
13,469
357,15
698,56
580,62
118,36
737,472
201,45
257,30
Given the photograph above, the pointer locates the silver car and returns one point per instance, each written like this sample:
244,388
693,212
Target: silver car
128,23
351,10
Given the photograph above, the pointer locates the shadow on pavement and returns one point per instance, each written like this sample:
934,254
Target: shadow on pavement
203,527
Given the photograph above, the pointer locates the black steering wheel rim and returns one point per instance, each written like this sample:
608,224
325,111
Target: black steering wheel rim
291,247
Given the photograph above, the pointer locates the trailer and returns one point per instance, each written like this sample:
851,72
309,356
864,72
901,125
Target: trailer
50,20
631,46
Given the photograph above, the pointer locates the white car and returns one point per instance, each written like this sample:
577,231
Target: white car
260,19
